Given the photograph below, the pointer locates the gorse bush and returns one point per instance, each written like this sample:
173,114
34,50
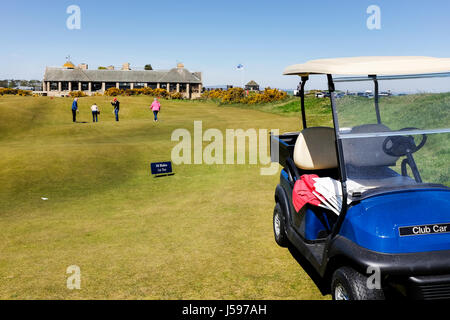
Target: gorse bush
17,92
213,94
160,93
176,95
113,92
269,95
233,95
239,95
77,94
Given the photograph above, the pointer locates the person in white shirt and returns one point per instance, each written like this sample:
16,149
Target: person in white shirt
95,113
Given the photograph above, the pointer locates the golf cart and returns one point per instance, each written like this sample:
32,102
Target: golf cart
384,230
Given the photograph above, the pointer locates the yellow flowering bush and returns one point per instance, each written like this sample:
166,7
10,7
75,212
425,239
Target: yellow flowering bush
239,95
176,95
18,92
163,93
112,92
77,94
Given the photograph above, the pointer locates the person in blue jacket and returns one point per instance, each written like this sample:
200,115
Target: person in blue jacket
74,109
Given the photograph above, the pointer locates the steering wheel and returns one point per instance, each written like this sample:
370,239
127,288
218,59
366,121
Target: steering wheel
398,146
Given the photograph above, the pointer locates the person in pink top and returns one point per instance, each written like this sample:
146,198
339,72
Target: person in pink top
155,107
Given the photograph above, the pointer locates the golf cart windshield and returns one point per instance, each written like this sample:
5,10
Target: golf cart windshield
394,132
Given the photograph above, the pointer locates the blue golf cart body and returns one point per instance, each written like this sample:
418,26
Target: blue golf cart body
390,155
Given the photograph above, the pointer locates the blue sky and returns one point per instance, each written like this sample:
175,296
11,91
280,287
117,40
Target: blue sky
215,36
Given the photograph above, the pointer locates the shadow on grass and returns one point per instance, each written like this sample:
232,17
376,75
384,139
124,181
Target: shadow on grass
309,269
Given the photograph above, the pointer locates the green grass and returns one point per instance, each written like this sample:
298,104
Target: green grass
205,233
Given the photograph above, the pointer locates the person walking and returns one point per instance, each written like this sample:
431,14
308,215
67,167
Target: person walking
74,109
155,107
116,104
95,112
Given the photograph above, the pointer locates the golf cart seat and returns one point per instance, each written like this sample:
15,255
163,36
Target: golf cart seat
315,152
366,162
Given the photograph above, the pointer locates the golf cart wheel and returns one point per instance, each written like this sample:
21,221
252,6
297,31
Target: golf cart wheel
348,284
279,228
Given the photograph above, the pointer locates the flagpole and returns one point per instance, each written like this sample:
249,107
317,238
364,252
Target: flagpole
241,68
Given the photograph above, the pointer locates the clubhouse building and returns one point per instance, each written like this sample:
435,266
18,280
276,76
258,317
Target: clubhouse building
61,81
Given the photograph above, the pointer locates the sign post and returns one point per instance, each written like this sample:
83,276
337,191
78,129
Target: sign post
162,169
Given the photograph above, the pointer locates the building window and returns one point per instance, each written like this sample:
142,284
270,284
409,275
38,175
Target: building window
183,87
64,86
163,86
96,86
75,86
54,86
139,85
173,87
152,85
109,85
124,85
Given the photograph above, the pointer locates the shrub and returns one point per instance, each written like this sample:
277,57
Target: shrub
112,92
130,92
269,95
24,93
233,95
146,91
163,93
134,92
4,91
238,95
11,91
77,94
176,95
213,94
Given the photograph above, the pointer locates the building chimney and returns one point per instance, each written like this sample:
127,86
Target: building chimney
126,66
83,66
110,68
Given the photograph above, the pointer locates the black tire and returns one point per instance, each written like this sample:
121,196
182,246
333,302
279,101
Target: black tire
279,227
354,285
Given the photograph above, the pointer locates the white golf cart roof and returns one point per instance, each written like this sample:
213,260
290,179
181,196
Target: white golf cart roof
371,66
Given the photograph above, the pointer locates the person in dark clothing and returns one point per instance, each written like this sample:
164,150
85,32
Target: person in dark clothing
74,109
116,104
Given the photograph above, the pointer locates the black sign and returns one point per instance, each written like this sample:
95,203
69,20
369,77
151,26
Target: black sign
425,229
161,168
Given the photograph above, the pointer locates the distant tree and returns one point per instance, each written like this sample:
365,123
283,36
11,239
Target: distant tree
24,83
12,83
148,67
102,68
36,84
4,83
